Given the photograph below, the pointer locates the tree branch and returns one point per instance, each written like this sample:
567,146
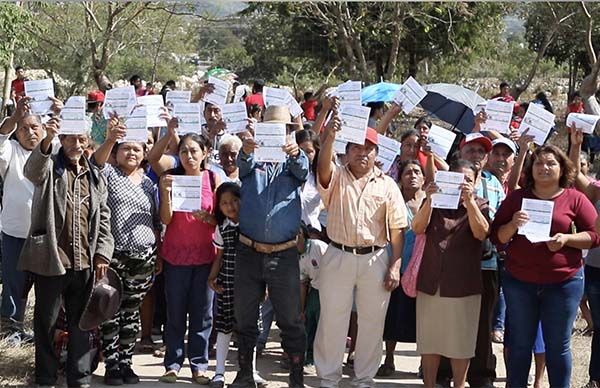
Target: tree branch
589,46
92,16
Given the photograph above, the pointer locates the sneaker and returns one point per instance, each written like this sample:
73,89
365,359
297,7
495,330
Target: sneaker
129,376
113,377
530,380
260,382
498,336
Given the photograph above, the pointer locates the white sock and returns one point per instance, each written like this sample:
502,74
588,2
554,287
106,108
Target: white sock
222,350
254,371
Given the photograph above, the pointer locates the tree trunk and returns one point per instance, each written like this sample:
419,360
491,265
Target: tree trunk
101,79
519,89
6,86
412,64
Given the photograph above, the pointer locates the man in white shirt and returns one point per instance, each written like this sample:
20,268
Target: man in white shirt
19,135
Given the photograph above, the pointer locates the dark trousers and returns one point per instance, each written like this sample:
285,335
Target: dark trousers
592,290
188,295
13,281
279,272
482,368
313,310
73,290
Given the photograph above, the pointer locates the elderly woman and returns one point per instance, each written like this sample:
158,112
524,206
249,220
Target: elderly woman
543,281
449,283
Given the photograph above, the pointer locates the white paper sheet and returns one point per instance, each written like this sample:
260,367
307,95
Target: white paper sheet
271,137
449,184
235,117
295,108
499,116
539,122
120,101
178,97
349,92
74,120
409,95
275,97
540,219
587,123
440,140
189,116
154,104
239,94
40,91
355,119
388,150
221,91
186,193
137,125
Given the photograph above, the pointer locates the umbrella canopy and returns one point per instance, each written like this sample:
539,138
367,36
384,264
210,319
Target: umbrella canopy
452,104
381,92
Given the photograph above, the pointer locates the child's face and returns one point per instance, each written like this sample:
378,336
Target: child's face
230,205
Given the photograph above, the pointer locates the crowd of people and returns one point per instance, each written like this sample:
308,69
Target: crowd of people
322,242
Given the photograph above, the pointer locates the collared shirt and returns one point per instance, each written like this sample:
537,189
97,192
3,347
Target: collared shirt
495,195
362,211
271,208
73,244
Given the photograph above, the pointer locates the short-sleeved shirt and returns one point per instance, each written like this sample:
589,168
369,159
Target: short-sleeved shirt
495,195
310,262
255,99
309,107
360,212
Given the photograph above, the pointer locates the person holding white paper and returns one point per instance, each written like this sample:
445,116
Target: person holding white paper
544,281
449,283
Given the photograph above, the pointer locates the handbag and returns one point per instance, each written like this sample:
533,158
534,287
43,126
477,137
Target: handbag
409,277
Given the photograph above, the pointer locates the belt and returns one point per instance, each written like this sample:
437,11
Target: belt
356,250
266,248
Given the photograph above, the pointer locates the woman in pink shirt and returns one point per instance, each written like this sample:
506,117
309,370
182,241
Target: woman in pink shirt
543,281
187,252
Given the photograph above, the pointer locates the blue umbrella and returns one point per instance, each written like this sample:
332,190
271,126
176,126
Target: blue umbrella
383,91
452,104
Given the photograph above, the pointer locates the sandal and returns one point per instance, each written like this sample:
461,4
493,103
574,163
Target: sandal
220,383
200,379
498,337
385,370
170,377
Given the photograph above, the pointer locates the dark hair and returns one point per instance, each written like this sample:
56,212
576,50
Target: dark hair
423,120
504,84
308,95
375,105
305,135
576,94
134,78
225,187
258,86
171,83
541,96
19,68
201,140
254,108
408,133
568,171
407,163
349,144
459,164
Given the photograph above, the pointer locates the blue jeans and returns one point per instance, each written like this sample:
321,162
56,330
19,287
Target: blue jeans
555,305
13,281
592,290
187,294
500,309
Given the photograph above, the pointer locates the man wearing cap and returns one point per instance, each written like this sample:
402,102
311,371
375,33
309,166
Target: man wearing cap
95,103
267,254
26,131
69,242
366,211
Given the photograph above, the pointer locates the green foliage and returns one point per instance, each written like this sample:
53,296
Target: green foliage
13,18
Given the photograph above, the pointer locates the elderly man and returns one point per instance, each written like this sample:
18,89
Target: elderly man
227,168
27,131
366,211
69,242
267,255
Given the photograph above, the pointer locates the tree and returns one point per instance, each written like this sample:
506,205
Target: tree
589,86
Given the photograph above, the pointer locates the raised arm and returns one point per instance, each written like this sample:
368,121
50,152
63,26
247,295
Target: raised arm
156,157
325,164
582,183
388,117
115,131
322,116
478,222
515,173
421,220
166,211
37,168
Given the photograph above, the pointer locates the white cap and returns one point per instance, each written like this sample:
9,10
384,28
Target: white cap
507,142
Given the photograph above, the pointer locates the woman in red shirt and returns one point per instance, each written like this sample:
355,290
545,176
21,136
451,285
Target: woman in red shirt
543,281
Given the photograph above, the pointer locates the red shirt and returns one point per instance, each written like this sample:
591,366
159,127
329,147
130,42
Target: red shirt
255,99
573,108
507,98
535,263
18,85
309,109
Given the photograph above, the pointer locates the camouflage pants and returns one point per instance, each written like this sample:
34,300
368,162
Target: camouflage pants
119,334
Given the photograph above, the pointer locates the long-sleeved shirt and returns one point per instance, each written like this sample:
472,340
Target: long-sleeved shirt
535,263
271,207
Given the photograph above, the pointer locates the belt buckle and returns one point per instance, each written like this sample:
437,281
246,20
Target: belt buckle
354,251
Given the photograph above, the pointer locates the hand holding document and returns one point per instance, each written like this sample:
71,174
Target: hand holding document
409,95
74,121
537,229
235,117
499,116
440,140
449,193
355,119
388,150
186,193
189,117
154,105
137,125
539,122
270,137
587,123
119,101
221,91
349,92
40,92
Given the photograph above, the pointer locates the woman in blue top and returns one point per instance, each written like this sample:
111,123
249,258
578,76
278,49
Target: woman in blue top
400,321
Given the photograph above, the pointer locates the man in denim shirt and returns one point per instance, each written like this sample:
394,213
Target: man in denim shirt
267,255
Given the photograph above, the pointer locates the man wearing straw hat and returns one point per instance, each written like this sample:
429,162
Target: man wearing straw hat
267,255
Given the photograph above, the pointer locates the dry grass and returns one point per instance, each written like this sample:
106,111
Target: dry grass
16,365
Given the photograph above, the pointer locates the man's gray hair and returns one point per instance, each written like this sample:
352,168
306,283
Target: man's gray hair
230,141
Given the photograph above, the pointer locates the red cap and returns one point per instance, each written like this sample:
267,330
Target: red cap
477,138
371,136
95,96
